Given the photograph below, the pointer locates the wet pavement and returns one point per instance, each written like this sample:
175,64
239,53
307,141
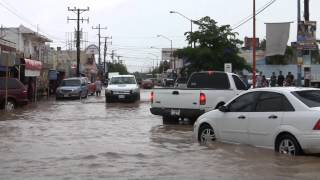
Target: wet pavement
91,140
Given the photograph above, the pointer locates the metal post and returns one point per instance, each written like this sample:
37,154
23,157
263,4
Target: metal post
298,52
254,44
78,43
174,62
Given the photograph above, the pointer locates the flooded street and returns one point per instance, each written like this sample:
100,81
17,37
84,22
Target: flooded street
92,140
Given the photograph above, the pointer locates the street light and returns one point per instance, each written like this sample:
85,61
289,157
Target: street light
191,21
174,62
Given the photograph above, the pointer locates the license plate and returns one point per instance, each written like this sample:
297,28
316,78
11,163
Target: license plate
121,96
175,112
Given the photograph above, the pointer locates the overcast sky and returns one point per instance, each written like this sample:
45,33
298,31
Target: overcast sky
134,24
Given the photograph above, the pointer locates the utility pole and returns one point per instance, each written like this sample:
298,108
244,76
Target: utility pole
99,37
254,45
78,12
105,53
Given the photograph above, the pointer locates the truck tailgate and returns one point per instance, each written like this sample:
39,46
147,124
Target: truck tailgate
176,98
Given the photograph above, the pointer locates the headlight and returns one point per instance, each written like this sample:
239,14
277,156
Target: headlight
136,90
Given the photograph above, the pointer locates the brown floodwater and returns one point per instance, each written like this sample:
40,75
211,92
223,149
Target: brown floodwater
92,140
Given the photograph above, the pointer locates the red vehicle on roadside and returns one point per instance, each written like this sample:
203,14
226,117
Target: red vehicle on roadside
17,93
147,84
92,88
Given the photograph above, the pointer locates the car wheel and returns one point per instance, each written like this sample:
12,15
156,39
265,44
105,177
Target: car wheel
11,105
170,120
288,144
206,134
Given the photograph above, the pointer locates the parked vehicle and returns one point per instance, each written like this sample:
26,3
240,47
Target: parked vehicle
17,93
283,118
167,82
147,84
72,88
205,91
181,82
122,88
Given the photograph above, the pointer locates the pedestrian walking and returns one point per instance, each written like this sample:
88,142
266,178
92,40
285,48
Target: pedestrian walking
98,87
280,79
273,80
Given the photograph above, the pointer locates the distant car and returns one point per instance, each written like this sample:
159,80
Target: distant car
147,84
122,88
181,82
283,118
17,93
72,88
167,82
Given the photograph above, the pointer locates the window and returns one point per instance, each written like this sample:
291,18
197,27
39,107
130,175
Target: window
239,83
214,80
123,80
311,98
273,102
75,82
12,84
244,103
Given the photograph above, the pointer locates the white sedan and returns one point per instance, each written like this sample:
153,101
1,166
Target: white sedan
283,118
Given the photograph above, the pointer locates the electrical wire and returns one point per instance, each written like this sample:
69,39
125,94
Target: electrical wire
258,12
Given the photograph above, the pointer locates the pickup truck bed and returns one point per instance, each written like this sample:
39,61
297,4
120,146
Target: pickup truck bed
206,91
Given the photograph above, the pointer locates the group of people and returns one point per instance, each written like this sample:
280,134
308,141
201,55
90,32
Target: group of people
279,80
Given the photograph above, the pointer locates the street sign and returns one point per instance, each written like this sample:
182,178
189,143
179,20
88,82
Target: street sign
228,67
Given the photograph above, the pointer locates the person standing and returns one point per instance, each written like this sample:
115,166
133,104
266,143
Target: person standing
280,79
264,81
289,79
273,80
98,87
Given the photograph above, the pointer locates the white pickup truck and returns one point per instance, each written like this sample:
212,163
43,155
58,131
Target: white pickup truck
205,91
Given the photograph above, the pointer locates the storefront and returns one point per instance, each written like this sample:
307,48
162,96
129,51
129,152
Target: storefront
32,69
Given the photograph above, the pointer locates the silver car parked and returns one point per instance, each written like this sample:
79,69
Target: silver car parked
72,88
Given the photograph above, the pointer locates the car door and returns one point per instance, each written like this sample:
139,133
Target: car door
235,121
264,123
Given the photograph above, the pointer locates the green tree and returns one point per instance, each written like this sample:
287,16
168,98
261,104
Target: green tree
117,67
215,45
282,59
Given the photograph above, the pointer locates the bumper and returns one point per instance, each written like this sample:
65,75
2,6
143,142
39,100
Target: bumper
67,95
122,97
310,143
22,102
187,113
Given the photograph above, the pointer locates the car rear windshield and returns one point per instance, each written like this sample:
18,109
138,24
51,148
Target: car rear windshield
214,80
310,98
12,83
74,82
122,80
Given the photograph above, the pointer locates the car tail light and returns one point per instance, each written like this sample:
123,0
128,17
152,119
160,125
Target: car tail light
202,99
151,96
25,92
317,126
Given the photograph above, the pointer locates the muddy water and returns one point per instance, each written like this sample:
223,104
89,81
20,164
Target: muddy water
92,140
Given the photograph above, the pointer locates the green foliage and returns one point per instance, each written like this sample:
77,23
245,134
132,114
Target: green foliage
215,45
163,67
117,67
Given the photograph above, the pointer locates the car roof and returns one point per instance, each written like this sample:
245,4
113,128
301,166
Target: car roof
283,89
73,78
123,76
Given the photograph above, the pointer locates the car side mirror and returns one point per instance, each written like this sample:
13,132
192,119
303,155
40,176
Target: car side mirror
223,109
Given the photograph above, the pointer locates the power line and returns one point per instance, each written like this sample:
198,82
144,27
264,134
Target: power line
258,12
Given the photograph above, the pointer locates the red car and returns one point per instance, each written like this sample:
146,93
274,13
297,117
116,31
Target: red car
147,84
92,88
17,93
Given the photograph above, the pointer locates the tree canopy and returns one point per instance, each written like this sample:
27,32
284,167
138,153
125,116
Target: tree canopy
117,67
214,46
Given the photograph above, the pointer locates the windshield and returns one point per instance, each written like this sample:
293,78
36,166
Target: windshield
311,98
70,82
122,80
